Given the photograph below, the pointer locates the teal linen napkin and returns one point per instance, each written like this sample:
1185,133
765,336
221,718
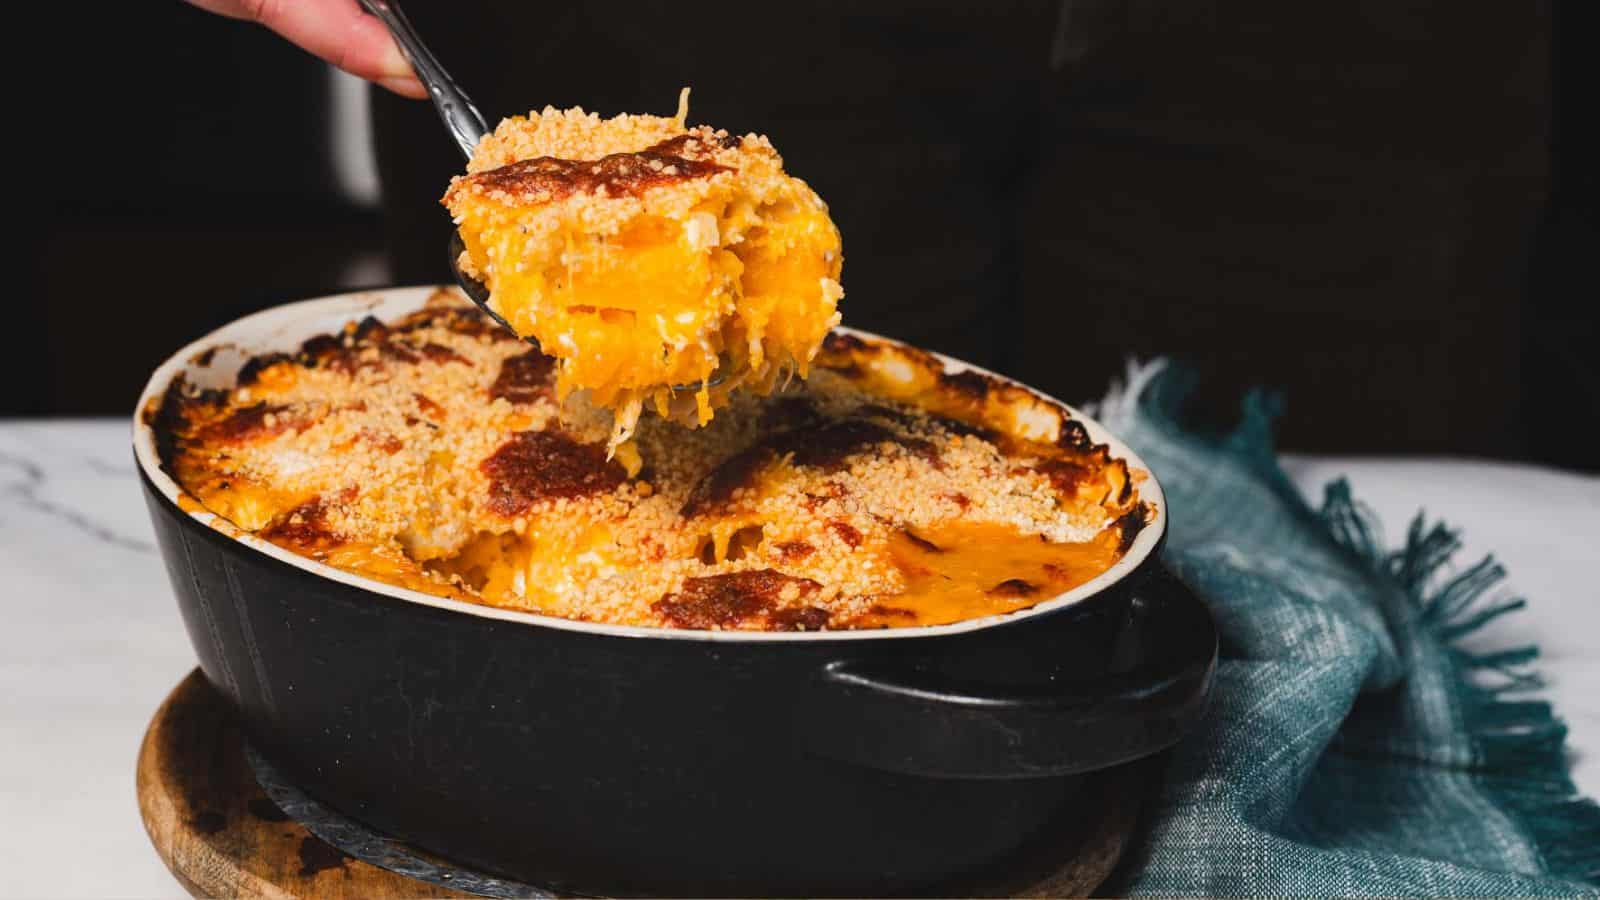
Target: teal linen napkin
1352,748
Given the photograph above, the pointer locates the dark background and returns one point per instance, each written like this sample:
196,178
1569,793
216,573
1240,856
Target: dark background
1386,209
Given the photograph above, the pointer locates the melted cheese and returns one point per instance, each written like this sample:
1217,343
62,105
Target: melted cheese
968,570
650,279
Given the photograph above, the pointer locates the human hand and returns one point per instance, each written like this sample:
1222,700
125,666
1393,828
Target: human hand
335,30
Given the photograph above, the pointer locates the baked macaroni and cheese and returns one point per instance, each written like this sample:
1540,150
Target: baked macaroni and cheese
432,452
657,264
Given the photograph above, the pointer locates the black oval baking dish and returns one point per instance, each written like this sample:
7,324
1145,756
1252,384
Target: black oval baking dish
617,760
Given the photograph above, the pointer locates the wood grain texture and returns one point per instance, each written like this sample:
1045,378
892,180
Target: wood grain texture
221,836
219,833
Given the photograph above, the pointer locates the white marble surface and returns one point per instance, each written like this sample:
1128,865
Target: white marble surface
91,639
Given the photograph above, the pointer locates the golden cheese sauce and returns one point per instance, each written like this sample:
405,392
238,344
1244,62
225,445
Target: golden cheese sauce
970,570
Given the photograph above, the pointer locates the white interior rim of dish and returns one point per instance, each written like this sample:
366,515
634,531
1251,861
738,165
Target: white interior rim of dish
284,328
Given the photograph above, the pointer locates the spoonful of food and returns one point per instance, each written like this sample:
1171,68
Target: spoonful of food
466,126
665,267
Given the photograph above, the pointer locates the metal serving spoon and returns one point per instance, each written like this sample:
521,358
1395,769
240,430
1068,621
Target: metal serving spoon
466,126
460,118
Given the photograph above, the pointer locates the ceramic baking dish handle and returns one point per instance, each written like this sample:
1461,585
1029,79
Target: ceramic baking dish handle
911,716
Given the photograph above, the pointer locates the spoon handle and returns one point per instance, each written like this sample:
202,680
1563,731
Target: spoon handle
462,119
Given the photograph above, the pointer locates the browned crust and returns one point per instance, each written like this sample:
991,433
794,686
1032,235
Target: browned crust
550,464
441,354
1131,523
845,532
743,600
169,417
525,378
304,529
547,179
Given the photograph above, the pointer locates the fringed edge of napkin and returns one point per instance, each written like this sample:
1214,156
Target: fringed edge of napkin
1520,744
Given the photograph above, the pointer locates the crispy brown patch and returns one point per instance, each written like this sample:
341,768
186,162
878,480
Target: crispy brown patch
799,618
1074,436
541,465
723,601
1126,493
972,385
524,378
305,527
170,417
427,405
328,352
251,371
845,354
696,144
831,491
453,316
846,532
792,551
439,353
252,423
1129,524
546,179
342,352
399,352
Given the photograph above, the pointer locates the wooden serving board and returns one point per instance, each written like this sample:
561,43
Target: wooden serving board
222,836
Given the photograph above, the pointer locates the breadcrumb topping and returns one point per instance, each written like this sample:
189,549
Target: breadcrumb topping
432,452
